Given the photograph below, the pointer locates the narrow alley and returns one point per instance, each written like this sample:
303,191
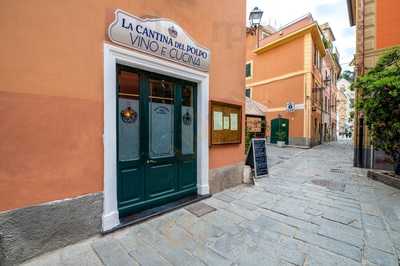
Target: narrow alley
313,209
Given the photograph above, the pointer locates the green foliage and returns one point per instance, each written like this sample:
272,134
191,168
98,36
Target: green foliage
247,140
327,43
348,75
351,116
380,101
336,57
281,135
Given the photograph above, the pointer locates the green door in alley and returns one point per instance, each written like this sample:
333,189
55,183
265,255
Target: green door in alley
156,125
277,125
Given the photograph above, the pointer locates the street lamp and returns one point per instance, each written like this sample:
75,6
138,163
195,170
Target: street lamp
255,17
255,21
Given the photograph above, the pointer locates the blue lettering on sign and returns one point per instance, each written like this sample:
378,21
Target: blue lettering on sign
155,35
156,40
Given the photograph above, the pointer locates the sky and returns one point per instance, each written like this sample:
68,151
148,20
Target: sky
280,12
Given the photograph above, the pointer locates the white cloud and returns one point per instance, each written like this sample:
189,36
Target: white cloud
280,12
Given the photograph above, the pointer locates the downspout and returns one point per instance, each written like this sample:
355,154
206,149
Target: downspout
322,115
362,36
361,72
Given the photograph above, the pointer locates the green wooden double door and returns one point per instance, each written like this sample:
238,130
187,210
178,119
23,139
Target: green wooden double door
280,126
156,129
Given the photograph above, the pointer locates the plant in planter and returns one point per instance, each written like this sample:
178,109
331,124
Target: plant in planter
379,92
281,138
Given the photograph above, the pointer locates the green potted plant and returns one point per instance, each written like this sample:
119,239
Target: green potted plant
281,138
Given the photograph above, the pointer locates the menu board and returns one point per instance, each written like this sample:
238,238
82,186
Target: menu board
217,118
234,121
226,123
254,124
257,157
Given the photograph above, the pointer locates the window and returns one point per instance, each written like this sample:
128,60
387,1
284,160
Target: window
249,70
315,127
329,105
248,92
317,58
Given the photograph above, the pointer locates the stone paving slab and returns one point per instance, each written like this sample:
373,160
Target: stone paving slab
111,253
285,219
380,258
379,239
199,209
332,245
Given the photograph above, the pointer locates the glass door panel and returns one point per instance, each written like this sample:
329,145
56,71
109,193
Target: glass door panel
128,116
161,119
187,120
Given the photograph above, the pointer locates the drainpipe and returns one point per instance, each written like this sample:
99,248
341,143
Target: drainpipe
322,114
362,36
359,141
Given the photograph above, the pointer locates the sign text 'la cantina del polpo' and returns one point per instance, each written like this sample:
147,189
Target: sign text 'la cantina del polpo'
159,37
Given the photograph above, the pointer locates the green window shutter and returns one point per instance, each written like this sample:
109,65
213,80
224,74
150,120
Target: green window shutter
248,92
248,70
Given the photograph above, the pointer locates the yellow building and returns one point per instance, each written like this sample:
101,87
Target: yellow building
293,72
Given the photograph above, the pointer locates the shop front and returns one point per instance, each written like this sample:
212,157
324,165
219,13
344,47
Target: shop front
157,103
106,114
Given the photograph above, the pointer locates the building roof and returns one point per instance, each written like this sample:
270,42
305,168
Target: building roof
292,30
268,29
255,108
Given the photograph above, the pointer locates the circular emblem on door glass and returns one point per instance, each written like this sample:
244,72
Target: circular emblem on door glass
128,115
187,119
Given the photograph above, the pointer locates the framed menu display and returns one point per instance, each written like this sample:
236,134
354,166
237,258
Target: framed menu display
225,123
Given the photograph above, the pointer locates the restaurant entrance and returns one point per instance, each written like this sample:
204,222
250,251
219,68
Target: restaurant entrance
156,139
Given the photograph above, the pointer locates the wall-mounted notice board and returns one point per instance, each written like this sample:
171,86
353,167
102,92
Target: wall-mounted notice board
225,123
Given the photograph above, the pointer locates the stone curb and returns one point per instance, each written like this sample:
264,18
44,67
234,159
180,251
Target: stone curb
383,177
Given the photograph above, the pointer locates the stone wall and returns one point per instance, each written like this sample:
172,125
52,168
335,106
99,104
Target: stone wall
299,141
225,177
31,231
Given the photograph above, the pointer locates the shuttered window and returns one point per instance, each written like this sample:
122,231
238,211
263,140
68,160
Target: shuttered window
249,70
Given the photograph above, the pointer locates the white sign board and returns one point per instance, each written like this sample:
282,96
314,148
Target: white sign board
160,37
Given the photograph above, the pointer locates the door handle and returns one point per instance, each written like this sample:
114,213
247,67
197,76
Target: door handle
151,161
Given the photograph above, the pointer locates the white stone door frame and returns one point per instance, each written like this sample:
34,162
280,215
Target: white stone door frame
114,55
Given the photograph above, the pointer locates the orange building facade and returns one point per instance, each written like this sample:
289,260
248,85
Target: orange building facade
286,76
330,73
64,72
377,30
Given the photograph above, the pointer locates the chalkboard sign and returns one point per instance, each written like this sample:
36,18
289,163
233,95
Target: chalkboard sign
257,157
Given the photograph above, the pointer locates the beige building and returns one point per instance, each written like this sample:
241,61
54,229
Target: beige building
345,106
342,104
330,72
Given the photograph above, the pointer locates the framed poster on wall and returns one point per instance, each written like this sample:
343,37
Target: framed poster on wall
225,123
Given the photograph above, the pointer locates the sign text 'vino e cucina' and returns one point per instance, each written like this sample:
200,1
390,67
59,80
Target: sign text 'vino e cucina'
160,37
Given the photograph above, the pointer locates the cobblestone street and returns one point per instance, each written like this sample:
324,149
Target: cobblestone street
313,209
